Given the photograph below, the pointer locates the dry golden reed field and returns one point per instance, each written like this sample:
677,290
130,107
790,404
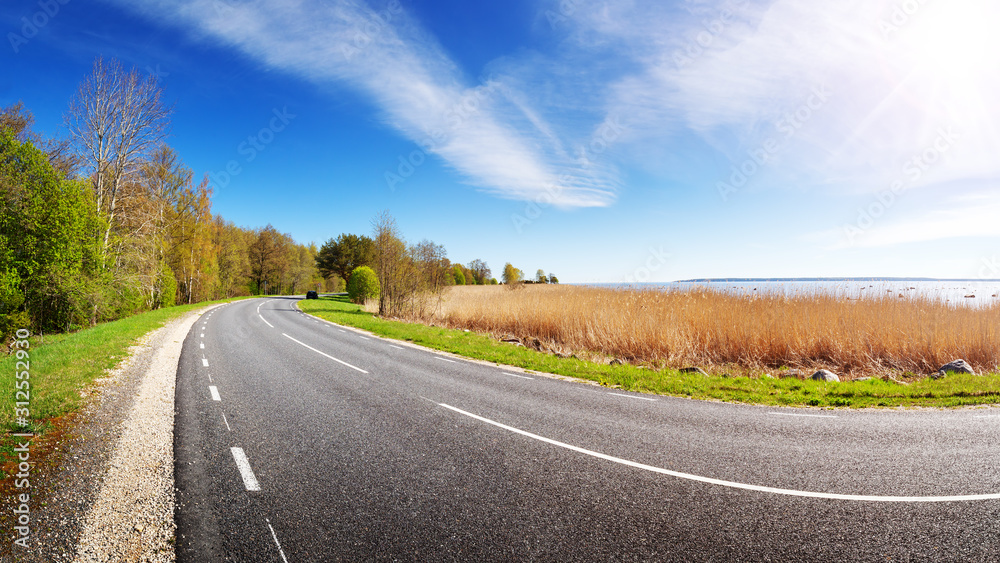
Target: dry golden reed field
888,335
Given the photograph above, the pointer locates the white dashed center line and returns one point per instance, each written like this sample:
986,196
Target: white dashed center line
324,354
202,345
396,347
227,422
243,464
204,362
215,393
445,360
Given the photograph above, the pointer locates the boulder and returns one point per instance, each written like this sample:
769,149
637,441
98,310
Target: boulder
957,366
694,370
825,375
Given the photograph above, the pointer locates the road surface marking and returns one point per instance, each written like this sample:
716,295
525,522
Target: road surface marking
324,354
215,392
515,375
204,362
275,536
362,337
445,360
227,422
802,415
731,484
265,321
632,397
202,345
244,466
344,331
396,347
210,378
202,335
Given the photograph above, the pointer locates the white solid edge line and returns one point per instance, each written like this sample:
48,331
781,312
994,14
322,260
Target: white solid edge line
803,415
204,362
323,353
632,397
731,484
276,542
265,321
515,375
445,360
215,393
243,464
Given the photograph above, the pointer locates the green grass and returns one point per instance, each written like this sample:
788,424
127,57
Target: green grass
63,365
951,391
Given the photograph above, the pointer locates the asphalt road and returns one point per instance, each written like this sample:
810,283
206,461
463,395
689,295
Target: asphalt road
298,440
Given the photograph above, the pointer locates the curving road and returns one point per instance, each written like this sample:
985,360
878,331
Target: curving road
298,440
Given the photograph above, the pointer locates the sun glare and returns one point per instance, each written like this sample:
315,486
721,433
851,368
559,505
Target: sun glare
955,40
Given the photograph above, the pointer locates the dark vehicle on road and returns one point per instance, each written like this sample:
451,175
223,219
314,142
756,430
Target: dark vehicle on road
312,295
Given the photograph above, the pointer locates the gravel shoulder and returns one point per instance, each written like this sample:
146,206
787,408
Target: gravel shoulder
104,491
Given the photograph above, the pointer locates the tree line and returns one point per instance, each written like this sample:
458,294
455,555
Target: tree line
108,221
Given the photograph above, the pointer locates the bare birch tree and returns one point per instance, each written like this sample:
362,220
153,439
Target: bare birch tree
116,120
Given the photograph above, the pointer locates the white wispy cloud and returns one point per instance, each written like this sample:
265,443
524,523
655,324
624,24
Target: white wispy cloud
498,146
736,72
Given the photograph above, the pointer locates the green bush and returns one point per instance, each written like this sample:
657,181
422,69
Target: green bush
363,285
459,275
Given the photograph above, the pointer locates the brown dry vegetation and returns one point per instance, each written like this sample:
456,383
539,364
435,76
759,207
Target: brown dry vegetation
888,335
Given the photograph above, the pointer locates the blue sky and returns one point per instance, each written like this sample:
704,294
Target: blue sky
604,141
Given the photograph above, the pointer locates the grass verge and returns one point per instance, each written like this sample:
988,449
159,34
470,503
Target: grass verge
62,366
951,391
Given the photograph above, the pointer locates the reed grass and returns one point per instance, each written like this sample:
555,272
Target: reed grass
906,337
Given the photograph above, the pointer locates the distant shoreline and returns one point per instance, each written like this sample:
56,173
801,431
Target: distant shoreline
871,279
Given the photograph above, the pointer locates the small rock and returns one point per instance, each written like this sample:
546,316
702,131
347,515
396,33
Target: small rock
617,362
694,370
957,366
825,375
862,379
790,373
767,376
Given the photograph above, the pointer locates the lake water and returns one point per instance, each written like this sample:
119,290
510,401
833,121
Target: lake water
959,292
